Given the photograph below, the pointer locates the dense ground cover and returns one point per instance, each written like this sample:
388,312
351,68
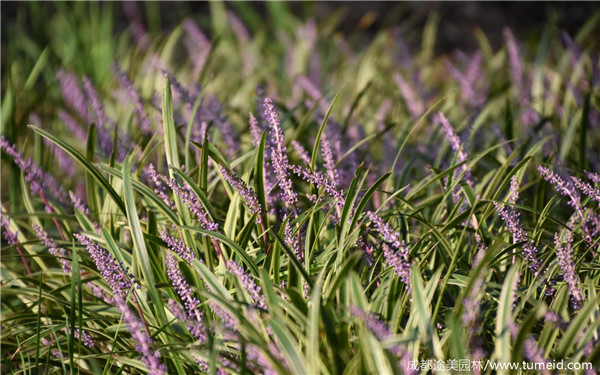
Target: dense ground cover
235,196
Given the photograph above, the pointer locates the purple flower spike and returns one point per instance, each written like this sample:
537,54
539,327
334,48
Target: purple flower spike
320,181
382,332
587,189
290,239
564,253
247,194
150,357
385,231
511,218
195,326
40,181
179,247
248,284
120,284
329,161
182,288
456,146
395,251
568,190
398,260
594,177
83,336
191,200
118,279
159,188
104,138
78,203
279,155
95,102
54,249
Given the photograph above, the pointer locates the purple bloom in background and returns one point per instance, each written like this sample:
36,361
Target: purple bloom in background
379,328
119,280
456,147
136,22
564,253
248,283
256,355
238,27
41,182
98,292
179,247
72,94
104,139
247,194
279,155
72,126
301,152
11,237
514,59
54,249
126,83
415,107
535,354
95,102
213,111
65,162
382,332
197,45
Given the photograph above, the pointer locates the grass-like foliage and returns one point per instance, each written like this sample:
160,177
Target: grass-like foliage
251,192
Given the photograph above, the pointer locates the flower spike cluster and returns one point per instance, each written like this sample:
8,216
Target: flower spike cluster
395,251
564,253
40,181
247,194
53,248
120,284
191,200
511,218
279,155
119,281
248,283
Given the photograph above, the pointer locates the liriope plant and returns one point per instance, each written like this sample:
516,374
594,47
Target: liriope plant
170,217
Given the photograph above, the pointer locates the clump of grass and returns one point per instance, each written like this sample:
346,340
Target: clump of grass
433,207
